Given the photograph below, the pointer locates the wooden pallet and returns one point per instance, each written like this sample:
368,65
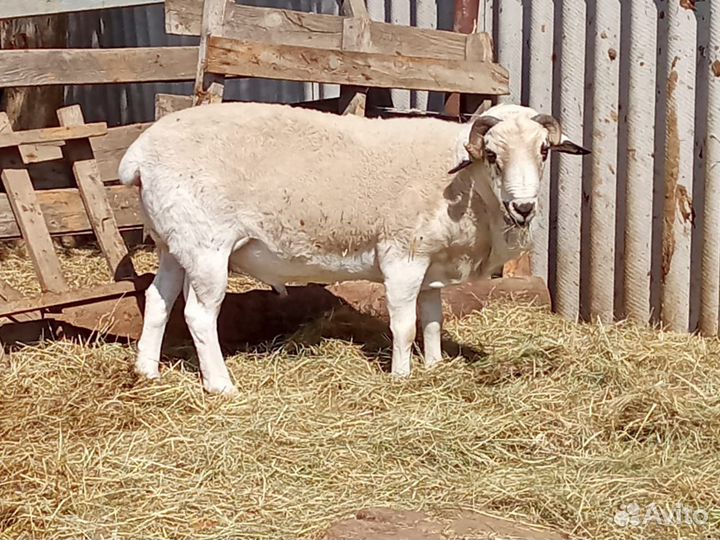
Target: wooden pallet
71,142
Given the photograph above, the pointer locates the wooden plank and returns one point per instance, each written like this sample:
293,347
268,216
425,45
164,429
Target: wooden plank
679,159
287,27
540,86
710,287
572,98
32,153
29,217
9,293
36,67
640,121
53,134
64,211
355,8
11,9
603,201
92,192
53,299
262,60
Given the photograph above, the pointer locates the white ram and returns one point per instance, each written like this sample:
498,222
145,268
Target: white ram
291,195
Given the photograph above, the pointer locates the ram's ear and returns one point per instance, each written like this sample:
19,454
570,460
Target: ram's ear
476,142
552,125
566,146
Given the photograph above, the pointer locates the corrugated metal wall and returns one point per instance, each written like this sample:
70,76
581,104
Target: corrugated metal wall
639,83
144,26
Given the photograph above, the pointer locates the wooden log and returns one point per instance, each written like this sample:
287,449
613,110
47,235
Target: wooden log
53,134
251,59
92,192
287,27
96,66
29,217
64,211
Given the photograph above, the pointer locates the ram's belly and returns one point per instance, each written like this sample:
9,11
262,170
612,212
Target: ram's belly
256,260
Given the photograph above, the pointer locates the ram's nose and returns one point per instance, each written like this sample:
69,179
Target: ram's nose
521,211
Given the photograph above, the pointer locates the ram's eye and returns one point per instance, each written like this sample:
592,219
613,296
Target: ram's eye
544,150
490,156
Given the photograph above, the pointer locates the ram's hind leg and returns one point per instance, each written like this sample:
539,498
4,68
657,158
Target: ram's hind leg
159,300
205,290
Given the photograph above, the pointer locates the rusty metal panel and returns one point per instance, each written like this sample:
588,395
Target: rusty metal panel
678,169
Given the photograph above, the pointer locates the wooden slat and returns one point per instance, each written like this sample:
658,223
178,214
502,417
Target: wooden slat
51,299
87,176
39,67
169,103
52,134
65,213
33,153
29,217
262,60
356,37
10,9
288,27
8,294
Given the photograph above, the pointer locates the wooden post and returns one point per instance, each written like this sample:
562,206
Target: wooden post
209,87
465,21
355,37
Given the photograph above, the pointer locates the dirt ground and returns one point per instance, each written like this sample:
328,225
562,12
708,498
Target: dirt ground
590,431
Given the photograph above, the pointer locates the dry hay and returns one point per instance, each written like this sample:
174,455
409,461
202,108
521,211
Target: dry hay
537,419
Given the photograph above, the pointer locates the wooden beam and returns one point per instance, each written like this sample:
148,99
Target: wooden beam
287,27
209,87
92,192
53,134
52,300
96,66
169,103
30,8
250,59
64,211
29,217
109,149
355,37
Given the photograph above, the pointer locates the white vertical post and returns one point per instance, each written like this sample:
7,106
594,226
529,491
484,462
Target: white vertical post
510,45
426,17
679,155
710,297
540,98
640,148
606,77
572,91
400,14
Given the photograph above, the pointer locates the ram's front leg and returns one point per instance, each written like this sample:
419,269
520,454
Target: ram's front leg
402,285
431,316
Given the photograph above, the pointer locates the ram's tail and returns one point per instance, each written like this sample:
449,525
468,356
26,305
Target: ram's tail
129,168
